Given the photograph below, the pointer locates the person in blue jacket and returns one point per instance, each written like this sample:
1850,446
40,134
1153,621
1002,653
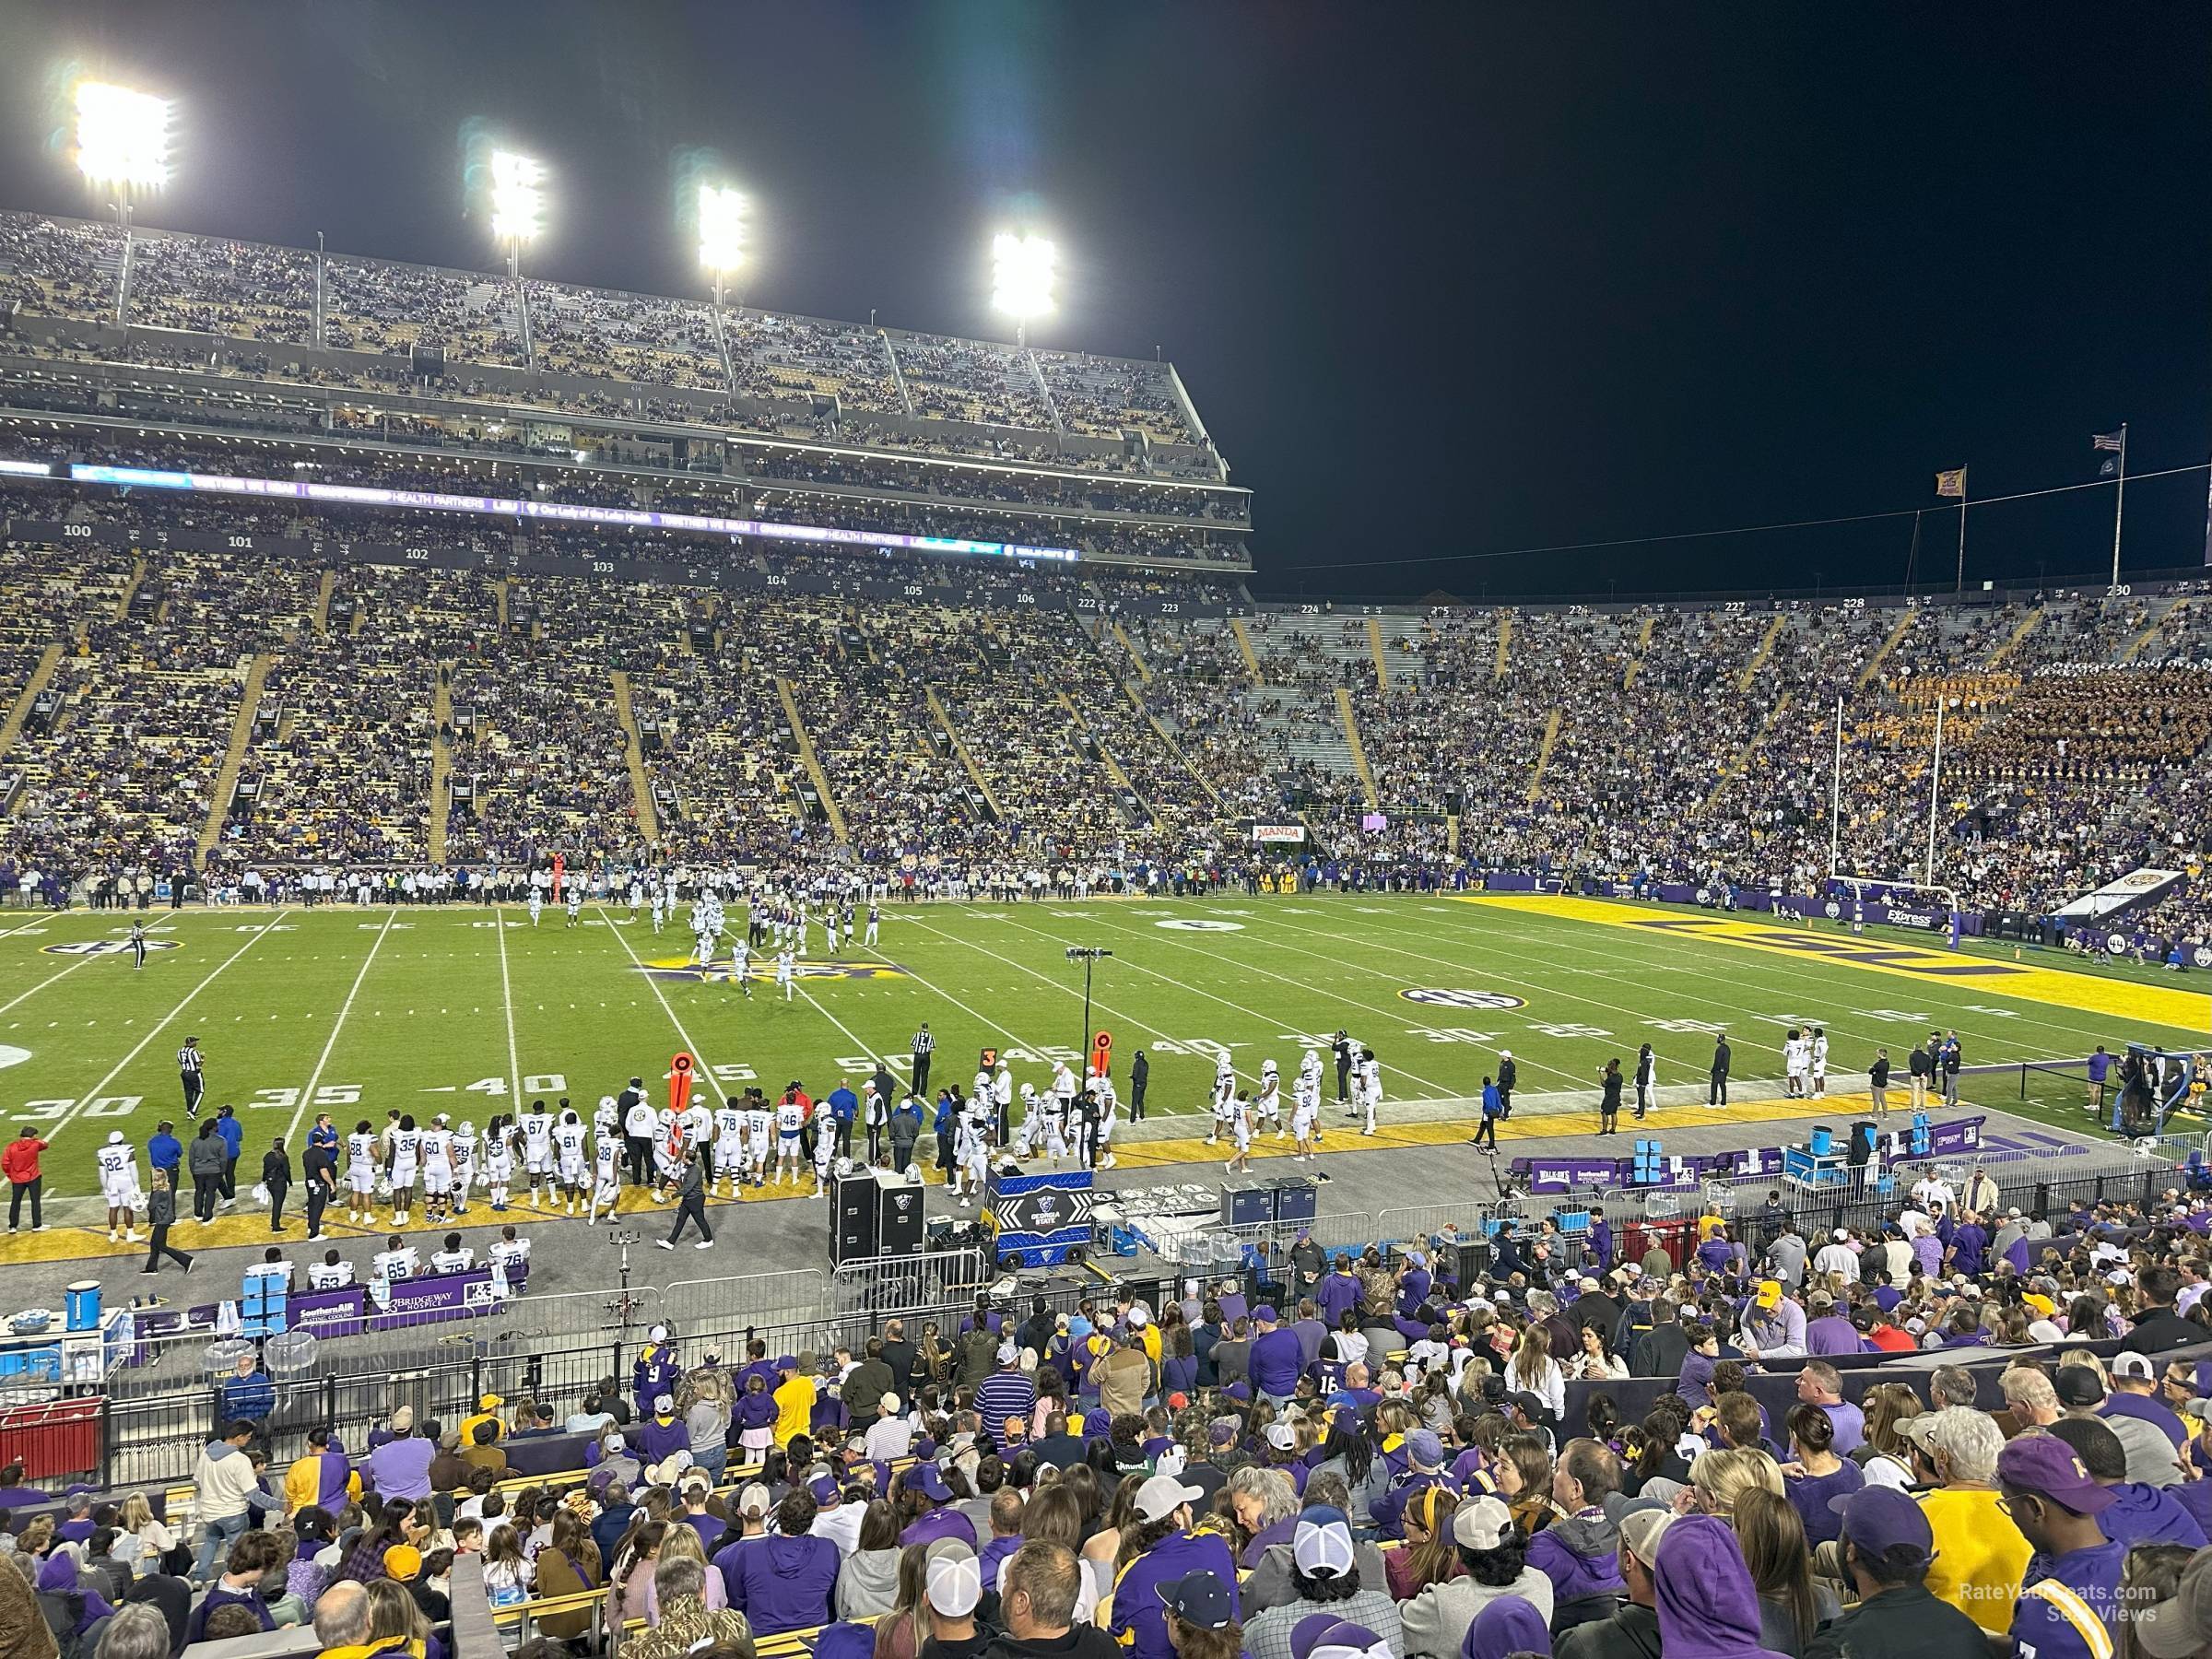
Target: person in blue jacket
1493,1108
165,1151
234,1137
845,1112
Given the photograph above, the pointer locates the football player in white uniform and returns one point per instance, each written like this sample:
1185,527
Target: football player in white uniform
1268,1105
1305,1108
729,1144
786,972
499,1158
971,1156
1370,1072
576,904
537,1149
1794,1058
360,1173
759,1136
452,1256
437,1169
659,905
606,1186
395,1262
1224,1101
538,903
1819,1062
1239,1131
791,1117
825,1152
118,1162
569,1137
464,1163
1106,1109
874,927
741,964
1002,1105
407,1164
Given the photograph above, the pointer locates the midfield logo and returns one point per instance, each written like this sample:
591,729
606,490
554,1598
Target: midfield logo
764,972
104,946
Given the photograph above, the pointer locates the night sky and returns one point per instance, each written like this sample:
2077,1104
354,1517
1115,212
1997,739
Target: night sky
1446,281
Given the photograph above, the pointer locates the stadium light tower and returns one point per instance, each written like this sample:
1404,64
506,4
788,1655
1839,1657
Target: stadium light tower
122,141
517,204
723,214
1021,279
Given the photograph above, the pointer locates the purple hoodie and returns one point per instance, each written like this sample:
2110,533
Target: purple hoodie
1832,1333
1695,1384
782,1583
1507,1625
659,1441
1706,1607
2148,1514
1581,1556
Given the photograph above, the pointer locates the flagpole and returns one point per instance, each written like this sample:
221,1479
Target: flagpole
1835,795
2119,501
1959,585
1934,790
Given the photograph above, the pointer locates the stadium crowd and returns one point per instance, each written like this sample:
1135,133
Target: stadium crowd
1680,1442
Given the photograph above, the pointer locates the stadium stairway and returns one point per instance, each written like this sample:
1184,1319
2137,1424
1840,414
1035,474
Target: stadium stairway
2160,609
49,660
1741,761
1762,653
1551,735
1505,644
1643,644
1375,646
1252,658
441,758
1874,664
234,758
633,755
1144,672
1351,738
807,758
1173,748
1114,772
2027,627
323,592
975,772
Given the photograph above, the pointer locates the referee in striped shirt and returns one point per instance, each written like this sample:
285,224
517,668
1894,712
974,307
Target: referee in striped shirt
188,1071
924,1046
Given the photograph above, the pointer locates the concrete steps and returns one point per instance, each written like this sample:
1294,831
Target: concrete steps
41,677
442,763
633,754
975,772
811,761
1351,738
234,758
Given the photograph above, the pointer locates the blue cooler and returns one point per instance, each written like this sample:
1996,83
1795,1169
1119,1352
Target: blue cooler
1823,1141
84,1305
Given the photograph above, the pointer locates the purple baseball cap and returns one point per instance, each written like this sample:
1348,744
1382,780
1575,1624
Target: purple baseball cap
2045,1465
929,1480
1879,1519
1265,1313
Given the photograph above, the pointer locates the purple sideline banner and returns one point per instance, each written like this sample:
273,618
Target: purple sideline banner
1567,1173
327,1312
428,1301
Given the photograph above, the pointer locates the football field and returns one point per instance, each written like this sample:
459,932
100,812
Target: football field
462,1010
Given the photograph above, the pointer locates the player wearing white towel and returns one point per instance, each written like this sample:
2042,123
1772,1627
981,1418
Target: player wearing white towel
1239,1132
360,1173
569,1137
464,1164
791,1117
606,1185
1305,1110
1819,1061
537,1149
437,1169
759,1136
1370,1072
406,1168
118,1162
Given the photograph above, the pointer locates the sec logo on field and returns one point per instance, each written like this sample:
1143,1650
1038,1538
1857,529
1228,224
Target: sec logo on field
1463,999
1190,925
104,946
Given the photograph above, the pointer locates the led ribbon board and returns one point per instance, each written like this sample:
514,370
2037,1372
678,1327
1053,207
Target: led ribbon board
431,500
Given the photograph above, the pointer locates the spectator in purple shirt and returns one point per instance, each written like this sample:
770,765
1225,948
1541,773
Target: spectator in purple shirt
925,1502
401,1467
14,1494
1277,1357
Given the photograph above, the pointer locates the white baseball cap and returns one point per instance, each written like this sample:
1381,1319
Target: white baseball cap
956,1578
1323,1543
1162,1495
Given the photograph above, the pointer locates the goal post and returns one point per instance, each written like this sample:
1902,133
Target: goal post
1935,898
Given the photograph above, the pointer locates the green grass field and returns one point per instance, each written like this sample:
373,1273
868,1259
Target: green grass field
452,1010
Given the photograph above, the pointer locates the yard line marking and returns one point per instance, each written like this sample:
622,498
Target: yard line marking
1103,1008
698,1056
306,1094
1444,1091
139,1048
514,1065
50,979
25,926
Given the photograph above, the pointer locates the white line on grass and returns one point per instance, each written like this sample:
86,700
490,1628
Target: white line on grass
306,1094
514,1065
159,1024
1444,1091
699,1057
1103,1007
50,979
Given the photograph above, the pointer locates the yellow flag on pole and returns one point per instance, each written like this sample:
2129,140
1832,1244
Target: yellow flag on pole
1952,484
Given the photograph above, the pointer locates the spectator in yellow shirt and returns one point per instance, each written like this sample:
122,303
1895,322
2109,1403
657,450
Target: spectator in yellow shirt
488,1411
1980,1554
795,1400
